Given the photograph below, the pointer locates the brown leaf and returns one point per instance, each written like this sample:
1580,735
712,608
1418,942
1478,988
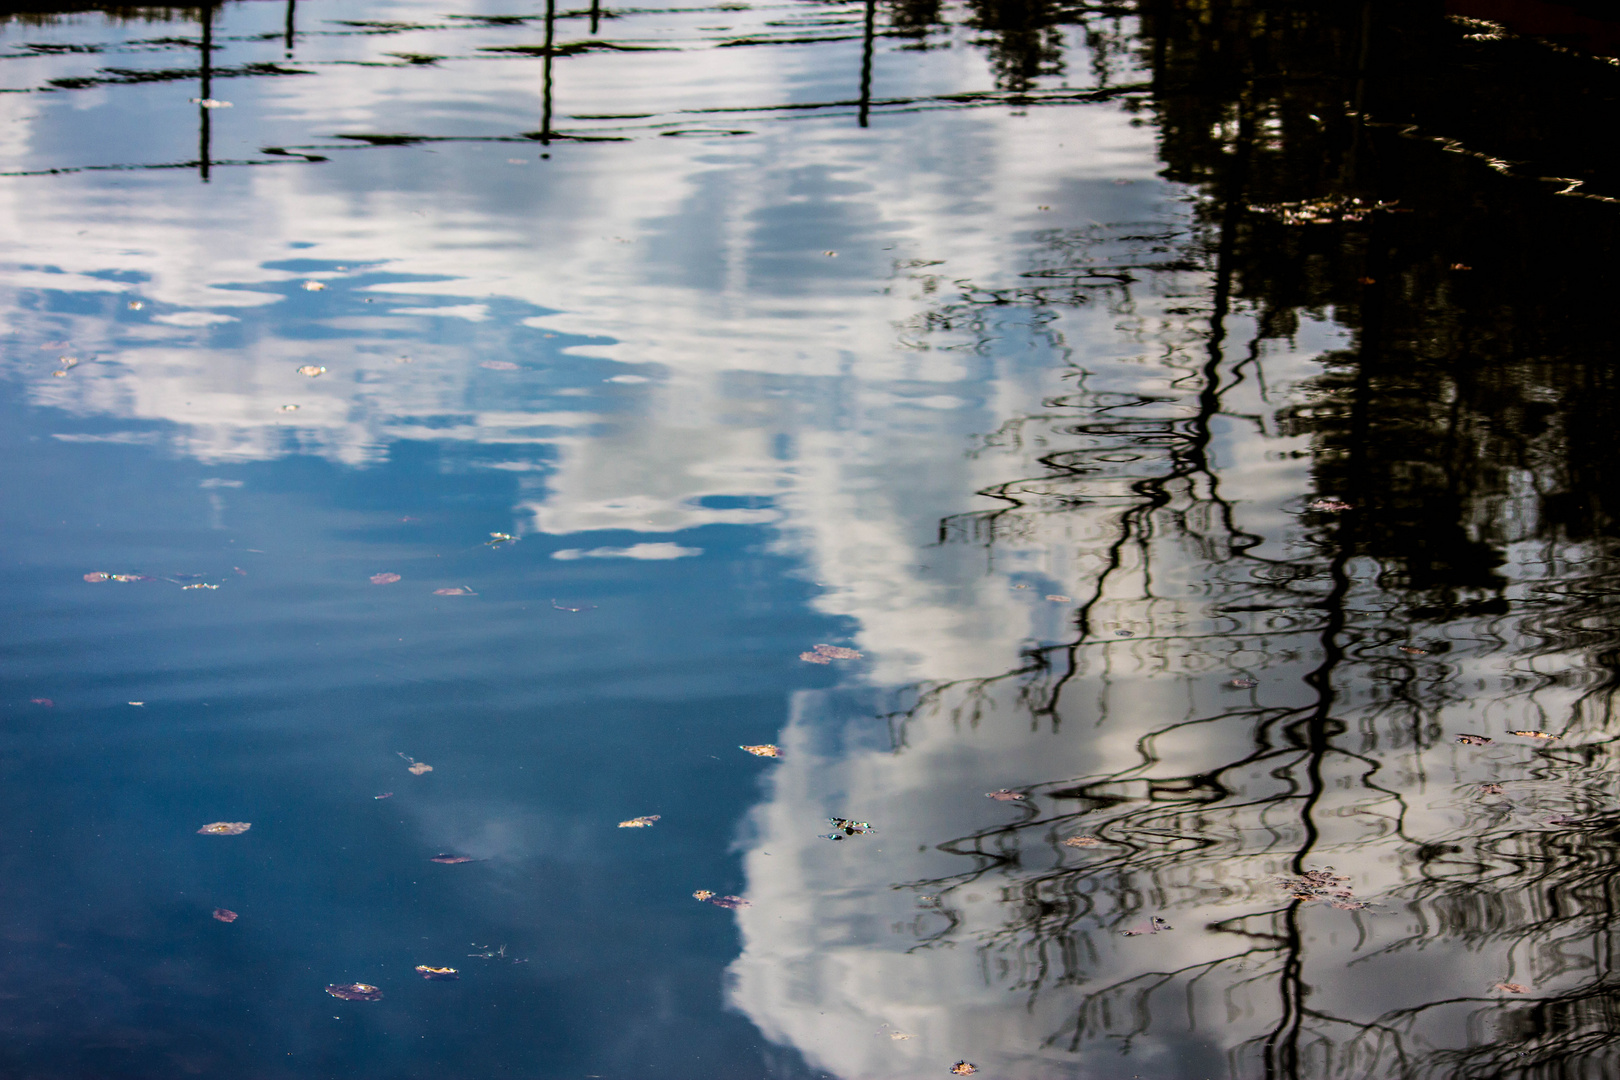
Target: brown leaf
1474,740
1533,734
225,828
437,973
385,578
730,903
1331,506
499,365
814,658
419,767
1006,795
460,591
964,1068
1082,841
450,860
224,914
1152,926
703,894
99,575
838,652
1058,598
763,750
897,1036
1413,650
640,822
311,370
1490,789
354,991
384,795
1511,988
1243,682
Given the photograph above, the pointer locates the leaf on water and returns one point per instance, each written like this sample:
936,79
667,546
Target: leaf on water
703,894
1323,885
1533,734
437,974
898,1036
1490,789
450,860
499,365
1327,210
497,539
199,585
384,795
288,408
225,828
730,903
846,827
98,575
311,370
130,577
384,578
354,991
1152,926
1124,633
838,652
458,591
1006,795
763,750
1058,598
814,658
964,1068
640,822
224,914
1510,988
135,305
212,103
1413,650
1082,841
1474,740
45,701
313,286
1331,506
1243,683
419,767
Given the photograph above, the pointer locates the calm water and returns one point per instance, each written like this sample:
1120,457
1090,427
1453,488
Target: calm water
1179,502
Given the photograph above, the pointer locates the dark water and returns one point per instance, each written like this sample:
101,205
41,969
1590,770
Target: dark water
1197,416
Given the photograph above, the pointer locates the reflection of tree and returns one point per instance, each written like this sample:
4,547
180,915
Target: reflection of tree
1470,588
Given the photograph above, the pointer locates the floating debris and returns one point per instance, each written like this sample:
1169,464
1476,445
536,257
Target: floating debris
198,585
135,305
499,365
1322,884
212,103
703,894
414,767
222,828
763,750
1243,682
640,822
461,590
1328,210
102,575
826,654
1124,633
313,286
899,1036
497,539
730,903
224,914
964,1068
384,795
437,974
1474,740
847,828
450,860
1413,650
1490,789
1082,841
354,991
1330,506
1533,735
384,578
45,701
1058,598
1006,795
1511,988
311,370
1152,926
288,408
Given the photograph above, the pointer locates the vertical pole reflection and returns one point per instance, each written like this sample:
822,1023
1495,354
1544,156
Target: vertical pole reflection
292,7
866,61
203,118
545,105
596,15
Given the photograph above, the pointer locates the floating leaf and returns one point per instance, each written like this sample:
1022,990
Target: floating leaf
354,991
135,305
640,822
838,652
1243,682
437,973
459,591
288,408
45,701
763,750
703,894
417,768
964,1068
1152,926
1474,740
1413,650
1510,988
898,1036
730,903
311,370
1533,734
1330,506
223,828
814,658
1082,841
98,575
212,103
385,578
1490,789
450,860
199,585
1058,598
499,365
1327,210
384,795
846,827
497,539
313,286
1124,633
224,914
1006,795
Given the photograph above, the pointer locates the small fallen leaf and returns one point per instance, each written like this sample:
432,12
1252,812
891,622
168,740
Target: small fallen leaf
288,408
814,658
497,539
640,822
1152,926
1490,789
355,991
1006,795
458,591
846,827
437,973
313,286
730,903
98,575
199,585
1533,734
1474,740
1511,988
130,577
45,701
1058,598
1243,683
703,894
222,828
1082,841
499,365
384,795
311,370
384,578
417,768
897,1036
1413,650
1020,586
763,750
211,103
964,1068
224,914
135,703
830,254
450,860
838,652
135,305
1331,506
1461,266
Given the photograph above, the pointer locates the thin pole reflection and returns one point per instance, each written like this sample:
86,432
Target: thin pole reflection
203,118
545,107
596,15
866,60
292,7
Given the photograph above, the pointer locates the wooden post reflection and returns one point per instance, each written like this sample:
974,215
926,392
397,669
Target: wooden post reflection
292,6
207,66
866,61
545,107
596,15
